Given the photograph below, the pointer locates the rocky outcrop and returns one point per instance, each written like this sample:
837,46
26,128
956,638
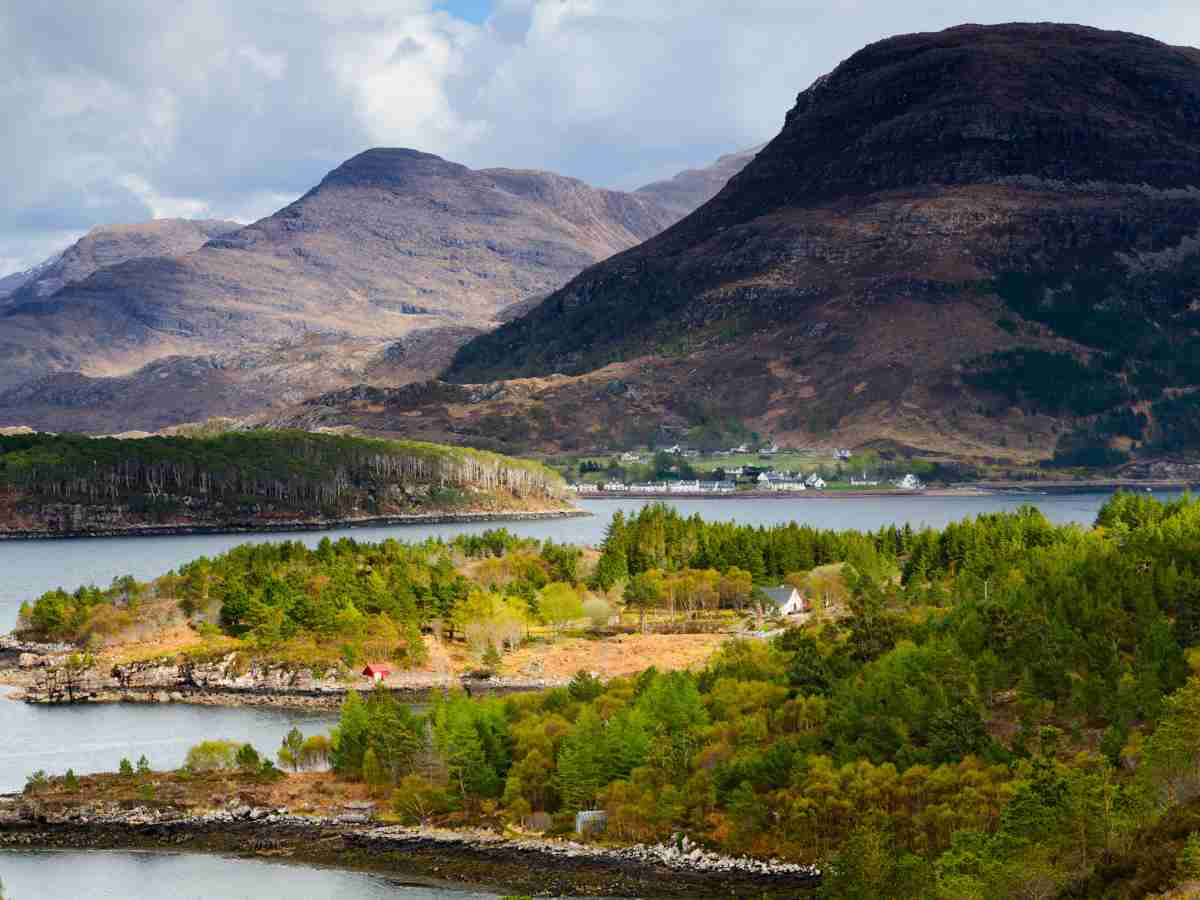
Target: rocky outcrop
230,680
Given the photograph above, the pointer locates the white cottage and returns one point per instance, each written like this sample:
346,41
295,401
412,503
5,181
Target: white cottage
787,600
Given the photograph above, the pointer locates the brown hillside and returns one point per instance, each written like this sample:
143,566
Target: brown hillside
391,245
935,199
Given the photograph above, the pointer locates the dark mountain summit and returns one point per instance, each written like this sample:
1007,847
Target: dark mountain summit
946,223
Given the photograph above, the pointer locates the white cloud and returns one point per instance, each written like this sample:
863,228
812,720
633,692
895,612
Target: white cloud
135,108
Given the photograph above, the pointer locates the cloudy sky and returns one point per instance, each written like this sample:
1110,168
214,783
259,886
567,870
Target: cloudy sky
124,110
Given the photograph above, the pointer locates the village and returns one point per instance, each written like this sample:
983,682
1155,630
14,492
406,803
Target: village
739,471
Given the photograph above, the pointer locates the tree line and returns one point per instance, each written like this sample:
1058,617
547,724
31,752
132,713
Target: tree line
316,473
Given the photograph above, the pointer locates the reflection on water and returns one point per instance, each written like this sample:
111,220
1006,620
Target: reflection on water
94,738
152,876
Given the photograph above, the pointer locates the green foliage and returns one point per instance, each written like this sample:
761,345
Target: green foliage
559,604
1143,321
70,782
417,800
37,782
870,865
1054,383
1178,420
316,474
379,724
126,768
659,538
210,756
1188,866
248,759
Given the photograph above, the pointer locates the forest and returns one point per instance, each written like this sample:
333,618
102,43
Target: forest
1009,709
1000,708
251,472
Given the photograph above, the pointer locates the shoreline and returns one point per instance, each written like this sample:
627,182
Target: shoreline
974,489
532,865
296,525
327,700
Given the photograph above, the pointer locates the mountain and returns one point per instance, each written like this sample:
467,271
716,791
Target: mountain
693,187
11,282
111,245
984,241
391,244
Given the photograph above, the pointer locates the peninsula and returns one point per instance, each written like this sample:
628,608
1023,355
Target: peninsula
261,480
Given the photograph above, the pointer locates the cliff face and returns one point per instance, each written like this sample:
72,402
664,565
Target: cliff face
934,201
392,245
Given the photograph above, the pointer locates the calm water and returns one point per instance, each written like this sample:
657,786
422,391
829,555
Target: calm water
152,876
94,738
29,568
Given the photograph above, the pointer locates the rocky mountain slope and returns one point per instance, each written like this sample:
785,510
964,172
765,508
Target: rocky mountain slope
376,274
14,280
111,245
982,240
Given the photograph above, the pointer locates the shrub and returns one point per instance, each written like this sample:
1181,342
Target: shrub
37,782
248,759
598,610
208,756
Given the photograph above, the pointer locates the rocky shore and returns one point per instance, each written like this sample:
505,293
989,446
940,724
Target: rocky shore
530,865
282,525
40,675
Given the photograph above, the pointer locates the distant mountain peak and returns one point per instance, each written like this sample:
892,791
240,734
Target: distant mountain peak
391,166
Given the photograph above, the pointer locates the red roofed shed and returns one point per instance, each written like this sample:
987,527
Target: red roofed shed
377,671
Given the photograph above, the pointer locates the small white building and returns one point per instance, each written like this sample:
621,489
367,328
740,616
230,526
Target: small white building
815,481
630,457
615,486
787,600
910,482
778,481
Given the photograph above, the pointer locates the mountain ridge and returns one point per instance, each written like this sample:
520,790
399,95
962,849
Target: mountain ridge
391,244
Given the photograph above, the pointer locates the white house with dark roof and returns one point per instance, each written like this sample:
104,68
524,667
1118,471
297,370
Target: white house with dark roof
787,600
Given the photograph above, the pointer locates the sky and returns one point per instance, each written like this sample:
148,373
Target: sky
125,110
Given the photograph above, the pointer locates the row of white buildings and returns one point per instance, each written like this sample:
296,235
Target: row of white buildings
789,481
657,487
